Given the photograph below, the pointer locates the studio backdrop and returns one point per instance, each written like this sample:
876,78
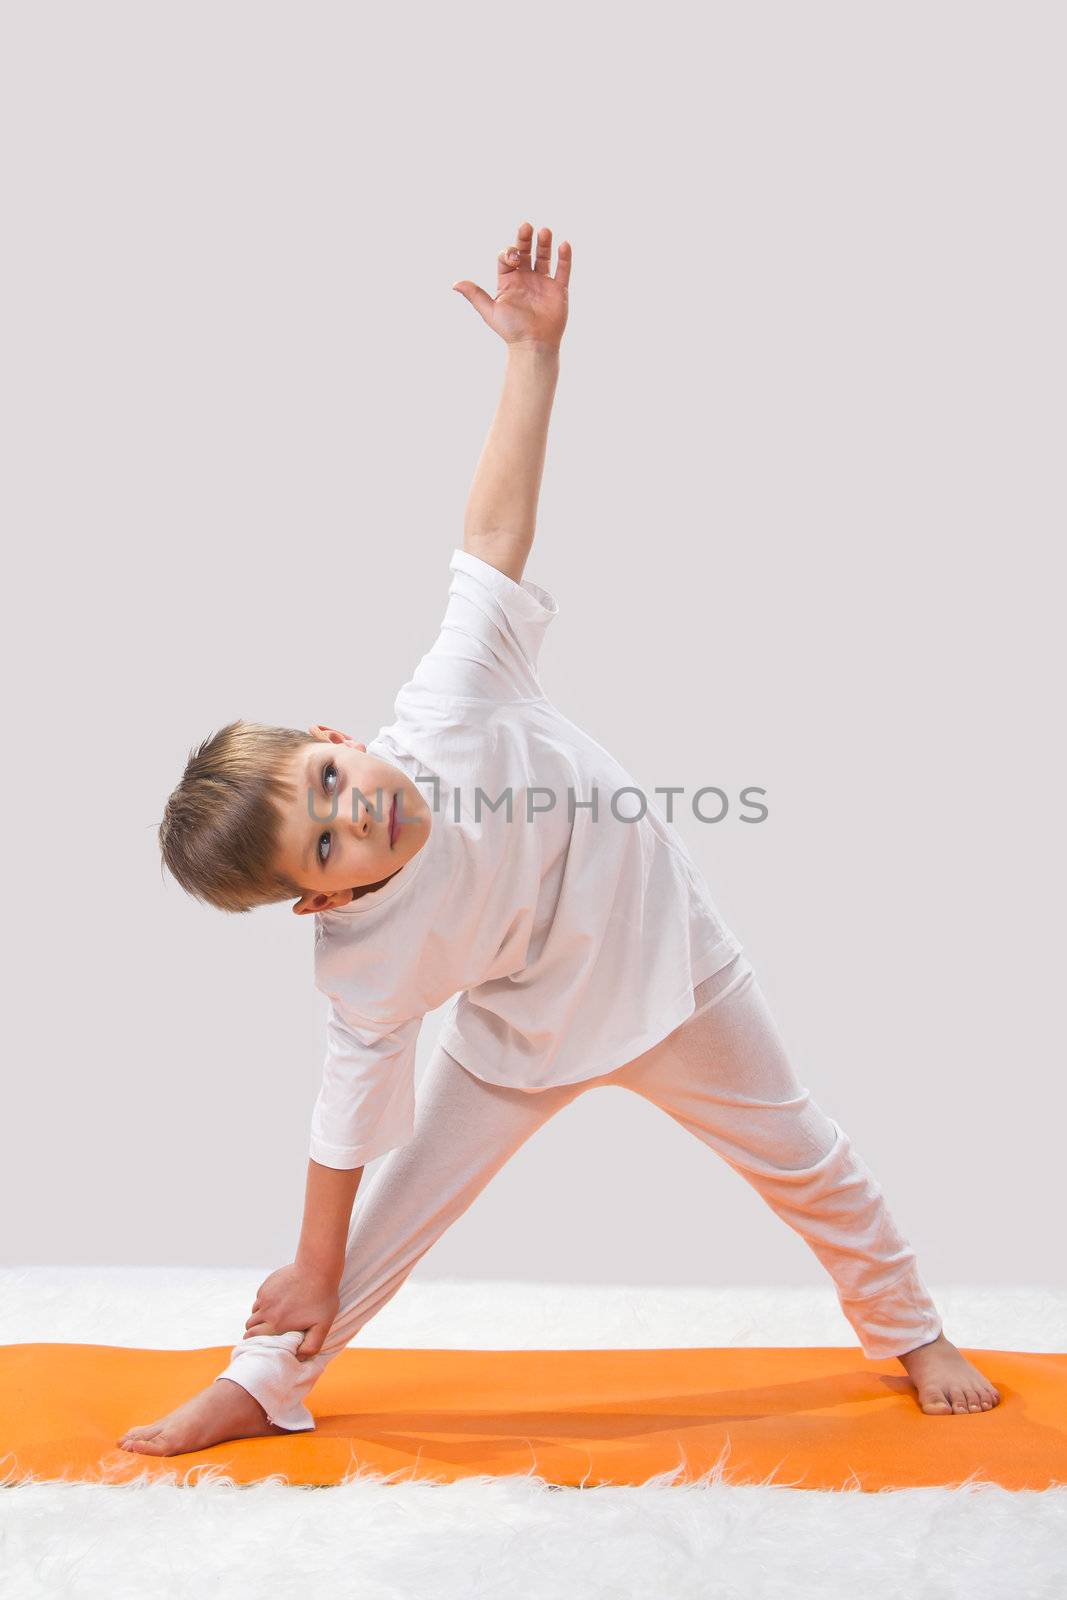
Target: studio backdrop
802,515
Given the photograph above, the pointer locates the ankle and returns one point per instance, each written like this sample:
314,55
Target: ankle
929,1345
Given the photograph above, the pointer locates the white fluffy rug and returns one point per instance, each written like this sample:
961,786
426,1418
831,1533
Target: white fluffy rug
482,1539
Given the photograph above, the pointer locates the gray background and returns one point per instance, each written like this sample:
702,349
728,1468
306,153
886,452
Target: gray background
802,513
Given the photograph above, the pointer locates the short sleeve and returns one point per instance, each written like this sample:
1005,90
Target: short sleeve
490,639
366,1104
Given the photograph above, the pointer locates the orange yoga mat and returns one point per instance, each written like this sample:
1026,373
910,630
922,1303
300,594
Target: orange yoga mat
810,1418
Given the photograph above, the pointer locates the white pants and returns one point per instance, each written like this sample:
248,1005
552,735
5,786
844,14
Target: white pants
724,1074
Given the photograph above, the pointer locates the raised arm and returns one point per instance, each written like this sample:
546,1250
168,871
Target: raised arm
529,312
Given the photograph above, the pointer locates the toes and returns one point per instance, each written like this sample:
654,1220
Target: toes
961,1399
985,1393
144,1447
143,1439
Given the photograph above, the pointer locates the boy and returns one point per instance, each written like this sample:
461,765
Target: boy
482,848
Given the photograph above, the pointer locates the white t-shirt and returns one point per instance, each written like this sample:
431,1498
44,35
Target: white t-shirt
571,942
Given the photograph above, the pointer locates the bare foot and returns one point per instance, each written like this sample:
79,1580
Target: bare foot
945,1381
221,1411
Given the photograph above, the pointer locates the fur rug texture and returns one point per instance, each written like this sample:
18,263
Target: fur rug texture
516,1537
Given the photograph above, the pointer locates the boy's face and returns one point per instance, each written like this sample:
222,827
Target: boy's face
337,859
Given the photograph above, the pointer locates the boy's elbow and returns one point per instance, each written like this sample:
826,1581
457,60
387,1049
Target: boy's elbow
506,551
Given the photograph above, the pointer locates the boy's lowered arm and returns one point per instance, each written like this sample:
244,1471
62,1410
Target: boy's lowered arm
529,313
305,1295
328,1199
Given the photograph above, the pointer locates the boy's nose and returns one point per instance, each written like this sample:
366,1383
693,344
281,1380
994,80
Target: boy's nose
363,821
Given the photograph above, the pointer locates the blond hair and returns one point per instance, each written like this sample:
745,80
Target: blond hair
220,832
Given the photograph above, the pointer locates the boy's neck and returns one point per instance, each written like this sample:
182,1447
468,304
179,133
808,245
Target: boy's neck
369,888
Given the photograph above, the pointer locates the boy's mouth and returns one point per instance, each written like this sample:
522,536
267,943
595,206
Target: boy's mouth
392,823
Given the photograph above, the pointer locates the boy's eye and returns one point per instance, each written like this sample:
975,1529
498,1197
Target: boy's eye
328,769
330,772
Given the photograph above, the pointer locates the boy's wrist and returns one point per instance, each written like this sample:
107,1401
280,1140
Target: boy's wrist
533,349
326,1266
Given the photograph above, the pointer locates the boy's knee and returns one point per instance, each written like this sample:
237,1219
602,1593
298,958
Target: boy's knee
809,1146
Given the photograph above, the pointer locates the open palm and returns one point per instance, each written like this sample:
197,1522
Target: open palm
530,305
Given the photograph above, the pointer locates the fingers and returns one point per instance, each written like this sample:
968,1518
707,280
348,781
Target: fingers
524,241
311,1343
507,262
518,256
515,258
482,302
544,251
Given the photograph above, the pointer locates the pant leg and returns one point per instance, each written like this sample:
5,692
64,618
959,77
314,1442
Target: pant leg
725,1075
465,1130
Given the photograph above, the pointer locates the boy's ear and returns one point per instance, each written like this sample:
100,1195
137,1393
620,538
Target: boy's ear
319,730
321,902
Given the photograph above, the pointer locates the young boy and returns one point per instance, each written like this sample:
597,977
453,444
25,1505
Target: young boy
484,848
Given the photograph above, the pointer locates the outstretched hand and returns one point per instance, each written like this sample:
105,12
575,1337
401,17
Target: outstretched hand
530,305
